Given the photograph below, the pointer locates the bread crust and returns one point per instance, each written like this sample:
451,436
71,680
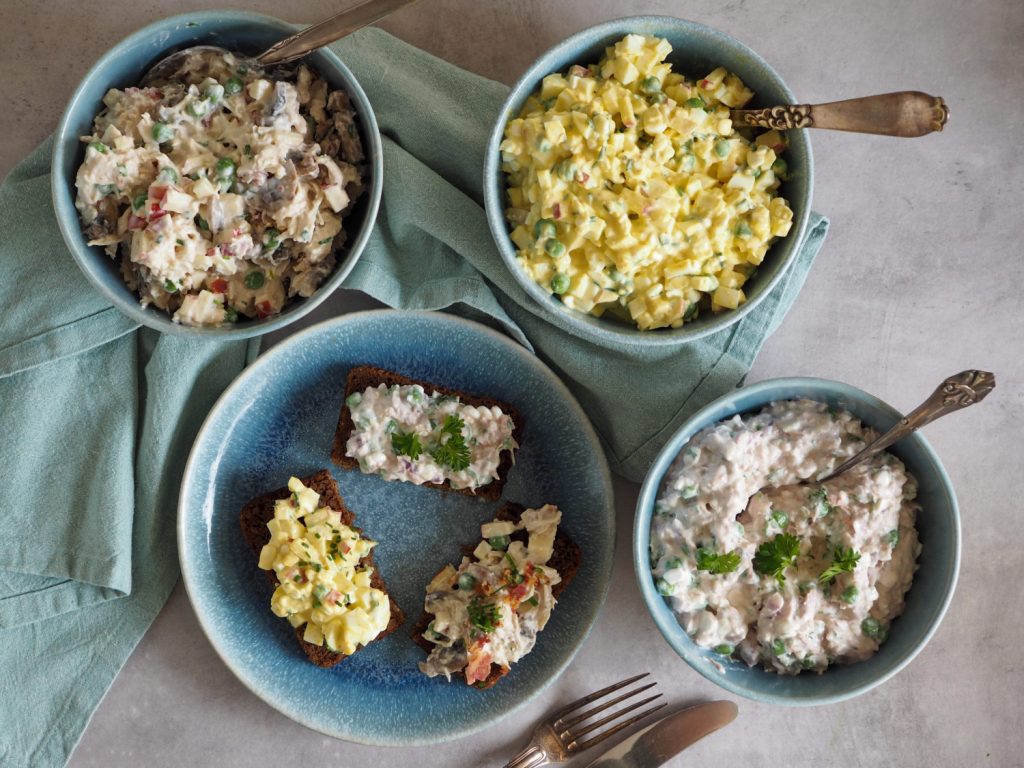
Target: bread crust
253,521
362,377
566,558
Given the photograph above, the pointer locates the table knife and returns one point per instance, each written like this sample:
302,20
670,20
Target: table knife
660,742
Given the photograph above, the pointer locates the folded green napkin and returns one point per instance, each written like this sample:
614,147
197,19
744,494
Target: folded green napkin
99,415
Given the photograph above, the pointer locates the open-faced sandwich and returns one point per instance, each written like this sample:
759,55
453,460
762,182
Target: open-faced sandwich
418,432
484,616
326,583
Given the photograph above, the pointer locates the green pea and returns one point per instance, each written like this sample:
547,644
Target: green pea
99,146
871,627
168,175
162,132
554,248
139,202
780,518
722,148
559,282
650,85
544,228
498,542
695,103
725,649
779,647
354,399
849,595
781,168
664,588
466,581
198,108
214,92
232,86
170,287
225,168
271,238
254,280
893,537
231,314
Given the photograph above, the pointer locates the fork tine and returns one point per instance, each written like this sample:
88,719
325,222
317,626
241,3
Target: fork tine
575,746
575,735
602,707
594,696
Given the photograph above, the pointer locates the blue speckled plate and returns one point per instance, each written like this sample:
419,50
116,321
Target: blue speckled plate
278,419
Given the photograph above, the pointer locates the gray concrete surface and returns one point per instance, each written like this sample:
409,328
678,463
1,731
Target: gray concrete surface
921,276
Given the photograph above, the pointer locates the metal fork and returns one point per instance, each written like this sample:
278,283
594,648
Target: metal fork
559,736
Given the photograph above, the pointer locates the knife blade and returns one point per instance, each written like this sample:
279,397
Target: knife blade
660,742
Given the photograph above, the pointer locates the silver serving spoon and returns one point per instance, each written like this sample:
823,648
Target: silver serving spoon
958,391
291,48
904,113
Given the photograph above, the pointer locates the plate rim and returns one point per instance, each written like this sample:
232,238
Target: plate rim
253,370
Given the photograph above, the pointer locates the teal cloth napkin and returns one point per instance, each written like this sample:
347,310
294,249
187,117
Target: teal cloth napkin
98,415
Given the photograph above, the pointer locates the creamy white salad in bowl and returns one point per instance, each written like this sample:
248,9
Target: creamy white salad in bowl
795,594
227,201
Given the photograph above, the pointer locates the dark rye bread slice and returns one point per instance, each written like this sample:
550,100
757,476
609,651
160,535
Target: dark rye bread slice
566,558
363,377
253,520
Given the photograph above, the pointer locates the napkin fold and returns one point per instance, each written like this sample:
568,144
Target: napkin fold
98,415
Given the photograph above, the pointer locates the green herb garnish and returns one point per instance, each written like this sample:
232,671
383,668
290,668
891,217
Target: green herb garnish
843,561
406,444
451,450
709,560
484,616
775,556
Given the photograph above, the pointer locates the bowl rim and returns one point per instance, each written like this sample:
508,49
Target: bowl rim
665,619
288,346
62,194
607,333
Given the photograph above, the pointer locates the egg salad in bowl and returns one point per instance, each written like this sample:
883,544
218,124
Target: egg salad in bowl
631,193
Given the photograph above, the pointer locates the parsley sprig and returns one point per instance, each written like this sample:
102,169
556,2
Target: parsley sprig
451,449
406,444
484,616
773,557
843,561
709,560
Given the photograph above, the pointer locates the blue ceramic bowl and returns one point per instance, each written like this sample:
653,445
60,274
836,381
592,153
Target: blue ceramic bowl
696,50
123,66
278,418
938,525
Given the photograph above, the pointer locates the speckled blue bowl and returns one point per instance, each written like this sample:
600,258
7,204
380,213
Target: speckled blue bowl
696,50
123,66
278,418
938,525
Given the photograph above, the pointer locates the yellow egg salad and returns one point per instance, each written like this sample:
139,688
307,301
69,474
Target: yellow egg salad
317,558
631,192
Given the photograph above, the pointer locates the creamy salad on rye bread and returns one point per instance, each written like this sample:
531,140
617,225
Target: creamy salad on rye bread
790,578
222,191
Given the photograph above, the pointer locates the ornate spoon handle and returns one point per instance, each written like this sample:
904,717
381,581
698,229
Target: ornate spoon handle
904,113
958,391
